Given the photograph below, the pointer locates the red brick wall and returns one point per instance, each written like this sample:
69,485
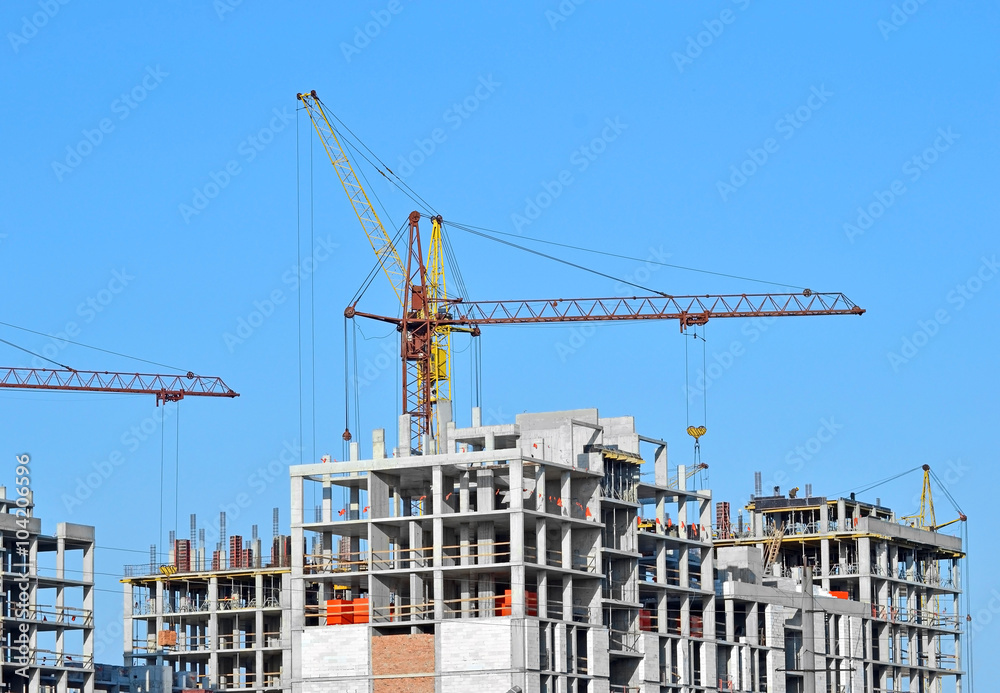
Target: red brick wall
403,654
418,684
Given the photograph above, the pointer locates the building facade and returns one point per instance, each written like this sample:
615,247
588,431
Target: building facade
216,618
48,602
562,554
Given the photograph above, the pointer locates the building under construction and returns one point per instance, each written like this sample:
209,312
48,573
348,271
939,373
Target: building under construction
47,615
562,553
216,615
559,554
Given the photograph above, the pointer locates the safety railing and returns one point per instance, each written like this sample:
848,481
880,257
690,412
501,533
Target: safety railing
44,658
623,640
924,617
403,612
68,615
177,569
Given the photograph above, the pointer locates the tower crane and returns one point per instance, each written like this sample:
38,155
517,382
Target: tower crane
429,315
167,388
925,517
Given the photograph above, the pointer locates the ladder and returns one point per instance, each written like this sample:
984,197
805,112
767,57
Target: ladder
773,546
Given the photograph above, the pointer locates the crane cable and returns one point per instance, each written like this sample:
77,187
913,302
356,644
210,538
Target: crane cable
312,295
298,262
406,189
347,394
28,351
629,257
85,346
696,431
470,230
967,573
375,270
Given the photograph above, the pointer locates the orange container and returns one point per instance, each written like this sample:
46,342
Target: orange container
840,595
505,603
361,610
339,612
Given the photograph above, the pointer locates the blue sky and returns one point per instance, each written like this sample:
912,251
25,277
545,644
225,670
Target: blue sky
830,147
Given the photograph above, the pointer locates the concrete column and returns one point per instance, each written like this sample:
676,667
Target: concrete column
565,493
295,616
809,636
286,632
258,641
443,412
437,507
213,625
753,625
403,436
465,532
128,609
660,471
824,561
516,509
486,588
774,633
567,598
60,603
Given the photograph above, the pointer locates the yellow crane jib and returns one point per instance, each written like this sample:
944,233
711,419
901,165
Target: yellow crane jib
381,242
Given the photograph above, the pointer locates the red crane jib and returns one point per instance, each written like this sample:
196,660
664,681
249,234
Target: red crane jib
167,388
688,310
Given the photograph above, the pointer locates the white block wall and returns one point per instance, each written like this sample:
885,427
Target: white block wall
335,653
475,656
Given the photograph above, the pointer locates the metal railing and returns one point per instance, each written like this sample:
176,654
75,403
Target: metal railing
623,640
135,570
